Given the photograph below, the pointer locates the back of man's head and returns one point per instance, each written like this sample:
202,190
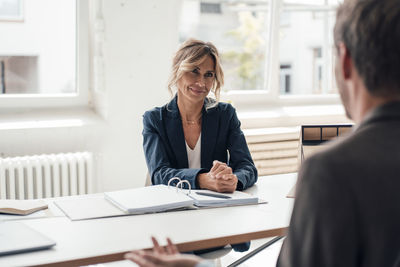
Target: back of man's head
370,29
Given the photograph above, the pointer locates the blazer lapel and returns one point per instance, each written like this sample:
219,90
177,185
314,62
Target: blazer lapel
175,134
209,133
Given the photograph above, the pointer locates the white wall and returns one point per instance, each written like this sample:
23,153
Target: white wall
139,40
140,37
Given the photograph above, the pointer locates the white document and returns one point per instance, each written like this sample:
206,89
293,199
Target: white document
88,208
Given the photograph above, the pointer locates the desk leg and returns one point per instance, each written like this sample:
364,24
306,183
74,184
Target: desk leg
254,252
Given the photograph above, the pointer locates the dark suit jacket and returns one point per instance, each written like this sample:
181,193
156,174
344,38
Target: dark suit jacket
165,149
347,208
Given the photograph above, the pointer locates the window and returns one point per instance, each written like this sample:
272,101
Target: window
43,52
19,74
212,8
317,70
240,32
11,10
306,41
278,48
285,78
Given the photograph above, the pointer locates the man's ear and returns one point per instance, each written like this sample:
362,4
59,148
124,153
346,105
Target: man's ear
345,61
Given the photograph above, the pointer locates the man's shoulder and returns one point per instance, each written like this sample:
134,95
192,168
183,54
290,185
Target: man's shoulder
359,143
345,156
336,156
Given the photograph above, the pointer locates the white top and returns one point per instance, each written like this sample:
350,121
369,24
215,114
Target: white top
194,156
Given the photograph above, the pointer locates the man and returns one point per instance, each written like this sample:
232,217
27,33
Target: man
347,208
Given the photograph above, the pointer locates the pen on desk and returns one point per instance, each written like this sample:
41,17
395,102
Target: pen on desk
213,195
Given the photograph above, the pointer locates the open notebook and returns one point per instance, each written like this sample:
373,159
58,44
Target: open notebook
156,198
21,207
160,198
151,199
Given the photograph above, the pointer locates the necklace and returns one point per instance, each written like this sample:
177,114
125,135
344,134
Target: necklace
193,122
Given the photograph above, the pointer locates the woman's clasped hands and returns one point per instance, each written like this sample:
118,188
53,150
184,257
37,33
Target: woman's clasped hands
220,178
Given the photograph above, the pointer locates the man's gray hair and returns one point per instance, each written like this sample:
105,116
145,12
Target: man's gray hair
370,29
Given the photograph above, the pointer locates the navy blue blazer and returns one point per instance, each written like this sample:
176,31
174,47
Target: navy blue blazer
221,139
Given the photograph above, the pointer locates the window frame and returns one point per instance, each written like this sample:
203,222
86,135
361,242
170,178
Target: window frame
81,96
248,99
16,17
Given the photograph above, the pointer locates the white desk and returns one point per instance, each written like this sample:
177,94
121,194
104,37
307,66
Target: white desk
107,239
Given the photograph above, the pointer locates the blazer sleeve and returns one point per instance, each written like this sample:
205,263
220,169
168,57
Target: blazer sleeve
323,228
239,155
159,164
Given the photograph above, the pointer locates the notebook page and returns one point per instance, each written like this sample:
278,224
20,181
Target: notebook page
154,198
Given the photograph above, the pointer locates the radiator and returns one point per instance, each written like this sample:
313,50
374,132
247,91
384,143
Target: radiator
43,176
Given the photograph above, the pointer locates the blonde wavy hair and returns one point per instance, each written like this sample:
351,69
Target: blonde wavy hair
191,54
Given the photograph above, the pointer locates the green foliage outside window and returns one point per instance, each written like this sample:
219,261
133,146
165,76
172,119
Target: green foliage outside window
247,63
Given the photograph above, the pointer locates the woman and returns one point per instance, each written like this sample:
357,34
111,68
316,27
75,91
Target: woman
194,137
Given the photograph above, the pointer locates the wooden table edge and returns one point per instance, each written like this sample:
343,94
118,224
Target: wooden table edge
183,247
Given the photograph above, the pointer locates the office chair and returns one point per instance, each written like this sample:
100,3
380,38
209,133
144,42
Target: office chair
216,255
148,180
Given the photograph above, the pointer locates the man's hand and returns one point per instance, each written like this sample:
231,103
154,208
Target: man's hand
162,257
